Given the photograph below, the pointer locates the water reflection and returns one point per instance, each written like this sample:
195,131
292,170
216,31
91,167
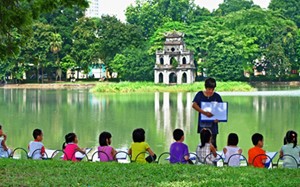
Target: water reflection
164,112
58,112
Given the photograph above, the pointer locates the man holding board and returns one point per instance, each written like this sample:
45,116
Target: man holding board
208,95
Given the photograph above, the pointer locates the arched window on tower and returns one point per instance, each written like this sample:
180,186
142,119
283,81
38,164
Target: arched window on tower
161,61
183,60
160,78
172,78
184,78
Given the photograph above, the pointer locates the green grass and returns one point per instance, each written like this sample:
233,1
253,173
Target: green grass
128,87
64,173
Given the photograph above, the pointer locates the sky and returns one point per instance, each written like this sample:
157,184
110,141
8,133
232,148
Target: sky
118,7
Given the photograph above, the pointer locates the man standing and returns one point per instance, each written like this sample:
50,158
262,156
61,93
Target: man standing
208,95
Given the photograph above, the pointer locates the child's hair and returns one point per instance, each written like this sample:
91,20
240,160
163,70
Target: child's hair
69,138
205,136
210,83
177,134
284,141
0,127
138,135
291,137
256,138
233,139
36,133
103,137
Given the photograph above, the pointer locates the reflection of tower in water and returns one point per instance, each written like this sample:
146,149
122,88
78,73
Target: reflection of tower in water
167,120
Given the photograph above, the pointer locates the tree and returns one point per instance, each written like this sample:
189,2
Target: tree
134,64
84,49
64,19
229,6
279,64
296,64
17,17
55,47
115,36
190,31
270,29
288,8
152,14
227,54
36,50
223,53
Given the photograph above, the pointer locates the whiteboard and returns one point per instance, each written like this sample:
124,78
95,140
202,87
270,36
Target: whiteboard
218,109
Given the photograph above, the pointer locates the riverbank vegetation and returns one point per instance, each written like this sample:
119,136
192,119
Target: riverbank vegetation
238,38
62,173
125,87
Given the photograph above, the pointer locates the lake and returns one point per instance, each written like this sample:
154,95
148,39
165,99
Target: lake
58,112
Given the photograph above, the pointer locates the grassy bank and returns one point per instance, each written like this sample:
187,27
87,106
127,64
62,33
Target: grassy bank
62,173
151,87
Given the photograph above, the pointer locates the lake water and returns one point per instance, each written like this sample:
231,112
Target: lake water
58,112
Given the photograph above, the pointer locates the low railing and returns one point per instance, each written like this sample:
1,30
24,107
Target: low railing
124,157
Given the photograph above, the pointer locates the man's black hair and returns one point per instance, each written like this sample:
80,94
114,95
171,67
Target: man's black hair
210,83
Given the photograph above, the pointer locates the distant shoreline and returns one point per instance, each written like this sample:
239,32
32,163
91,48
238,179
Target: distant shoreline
88,85
270,83
48,85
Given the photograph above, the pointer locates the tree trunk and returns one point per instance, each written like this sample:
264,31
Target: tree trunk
42,75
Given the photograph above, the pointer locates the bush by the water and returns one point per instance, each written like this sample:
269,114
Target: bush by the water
127,87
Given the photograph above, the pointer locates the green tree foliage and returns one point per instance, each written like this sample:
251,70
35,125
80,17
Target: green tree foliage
229,6
64,19
85,42
223,52
269,29
134,64
114,36
56,44
151,14
17,17
55,47
227,54
158,38
278,65
288,8
296,64
36,51
225,43
67,62
228,45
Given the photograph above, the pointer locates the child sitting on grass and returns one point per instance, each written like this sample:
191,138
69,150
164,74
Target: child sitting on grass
105,151
290,148
36,148
179,152
232,149
70,147
253,158
139,147
206,149
4,151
